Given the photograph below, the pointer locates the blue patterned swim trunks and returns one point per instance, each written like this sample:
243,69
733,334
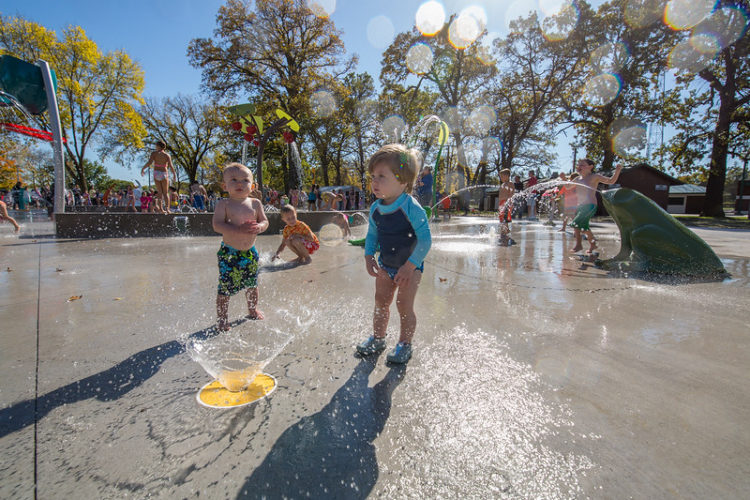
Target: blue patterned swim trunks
238,269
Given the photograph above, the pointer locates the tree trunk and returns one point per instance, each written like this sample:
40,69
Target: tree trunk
713,205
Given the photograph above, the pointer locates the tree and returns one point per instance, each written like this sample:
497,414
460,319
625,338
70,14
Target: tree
535,74
717,113
457,75
616,89
278,51
360,111
191,130
97,92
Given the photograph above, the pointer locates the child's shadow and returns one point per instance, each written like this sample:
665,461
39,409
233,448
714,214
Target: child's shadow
330,454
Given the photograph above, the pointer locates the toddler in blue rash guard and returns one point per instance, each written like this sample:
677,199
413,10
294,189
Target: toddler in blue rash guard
400,231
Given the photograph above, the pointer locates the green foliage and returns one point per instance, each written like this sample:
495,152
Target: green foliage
190,129
711,112
97,91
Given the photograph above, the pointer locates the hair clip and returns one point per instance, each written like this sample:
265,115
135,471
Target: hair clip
403,159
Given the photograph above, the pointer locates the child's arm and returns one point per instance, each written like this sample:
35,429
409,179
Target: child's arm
371,246
171,166
220,225
418,219
613,179
278,251
261,219
148,163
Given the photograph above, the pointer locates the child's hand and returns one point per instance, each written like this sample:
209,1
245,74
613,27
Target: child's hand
404,274
372,266
250,226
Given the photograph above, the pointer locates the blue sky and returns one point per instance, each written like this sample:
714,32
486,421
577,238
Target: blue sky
156,34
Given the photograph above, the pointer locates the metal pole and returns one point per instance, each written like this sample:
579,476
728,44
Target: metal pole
57,143
742,185
575,157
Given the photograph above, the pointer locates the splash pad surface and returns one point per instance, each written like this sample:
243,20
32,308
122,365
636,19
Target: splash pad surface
565,381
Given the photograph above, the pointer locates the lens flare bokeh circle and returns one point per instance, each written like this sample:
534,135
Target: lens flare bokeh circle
380,32
321,8
601,89
430,18
464,30
419,58
724,26
452,117
685,57
517,10
323,103
629,137
481,119
643,13
393,127
559,26
609,57
684,14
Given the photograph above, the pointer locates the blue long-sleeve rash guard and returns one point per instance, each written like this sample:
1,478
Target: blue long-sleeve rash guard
400,230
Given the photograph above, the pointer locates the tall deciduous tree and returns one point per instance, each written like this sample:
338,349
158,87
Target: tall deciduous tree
535,74
713,118
360,111
277,51
97,91
191,130
457,75
617,86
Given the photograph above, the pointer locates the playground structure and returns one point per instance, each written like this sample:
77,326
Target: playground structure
30,90
653,241
255,131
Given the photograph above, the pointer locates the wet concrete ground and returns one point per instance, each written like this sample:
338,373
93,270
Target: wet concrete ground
534,375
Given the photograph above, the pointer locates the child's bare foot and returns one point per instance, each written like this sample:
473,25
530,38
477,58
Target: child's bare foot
592,247
256,314
222,325
302,260
576,248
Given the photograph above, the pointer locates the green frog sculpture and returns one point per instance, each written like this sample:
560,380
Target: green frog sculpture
655,242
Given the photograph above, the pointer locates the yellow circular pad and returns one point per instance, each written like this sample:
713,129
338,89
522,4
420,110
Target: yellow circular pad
214,395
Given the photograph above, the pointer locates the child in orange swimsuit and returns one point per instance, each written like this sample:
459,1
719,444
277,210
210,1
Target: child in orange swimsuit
297,236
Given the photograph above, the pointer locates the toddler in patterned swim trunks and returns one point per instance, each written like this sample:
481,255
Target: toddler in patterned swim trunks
239,219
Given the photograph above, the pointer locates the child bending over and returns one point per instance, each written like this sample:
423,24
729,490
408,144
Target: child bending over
297,236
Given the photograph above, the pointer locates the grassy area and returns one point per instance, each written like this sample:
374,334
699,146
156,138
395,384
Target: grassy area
736,222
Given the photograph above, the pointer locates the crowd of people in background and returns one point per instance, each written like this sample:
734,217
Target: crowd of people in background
196,197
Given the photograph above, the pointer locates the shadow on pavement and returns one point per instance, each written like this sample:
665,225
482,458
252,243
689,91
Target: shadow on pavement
330,454
107,385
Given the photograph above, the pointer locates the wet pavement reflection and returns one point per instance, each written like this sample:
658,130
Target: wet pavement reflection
535,374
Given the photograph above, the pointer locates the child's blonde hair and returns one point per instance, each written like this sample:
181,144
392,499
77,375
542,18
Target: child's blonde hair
505,171
238,166
404,163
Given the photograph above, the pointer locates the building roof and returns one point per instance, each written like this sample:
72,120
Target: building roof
687,189
644,166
